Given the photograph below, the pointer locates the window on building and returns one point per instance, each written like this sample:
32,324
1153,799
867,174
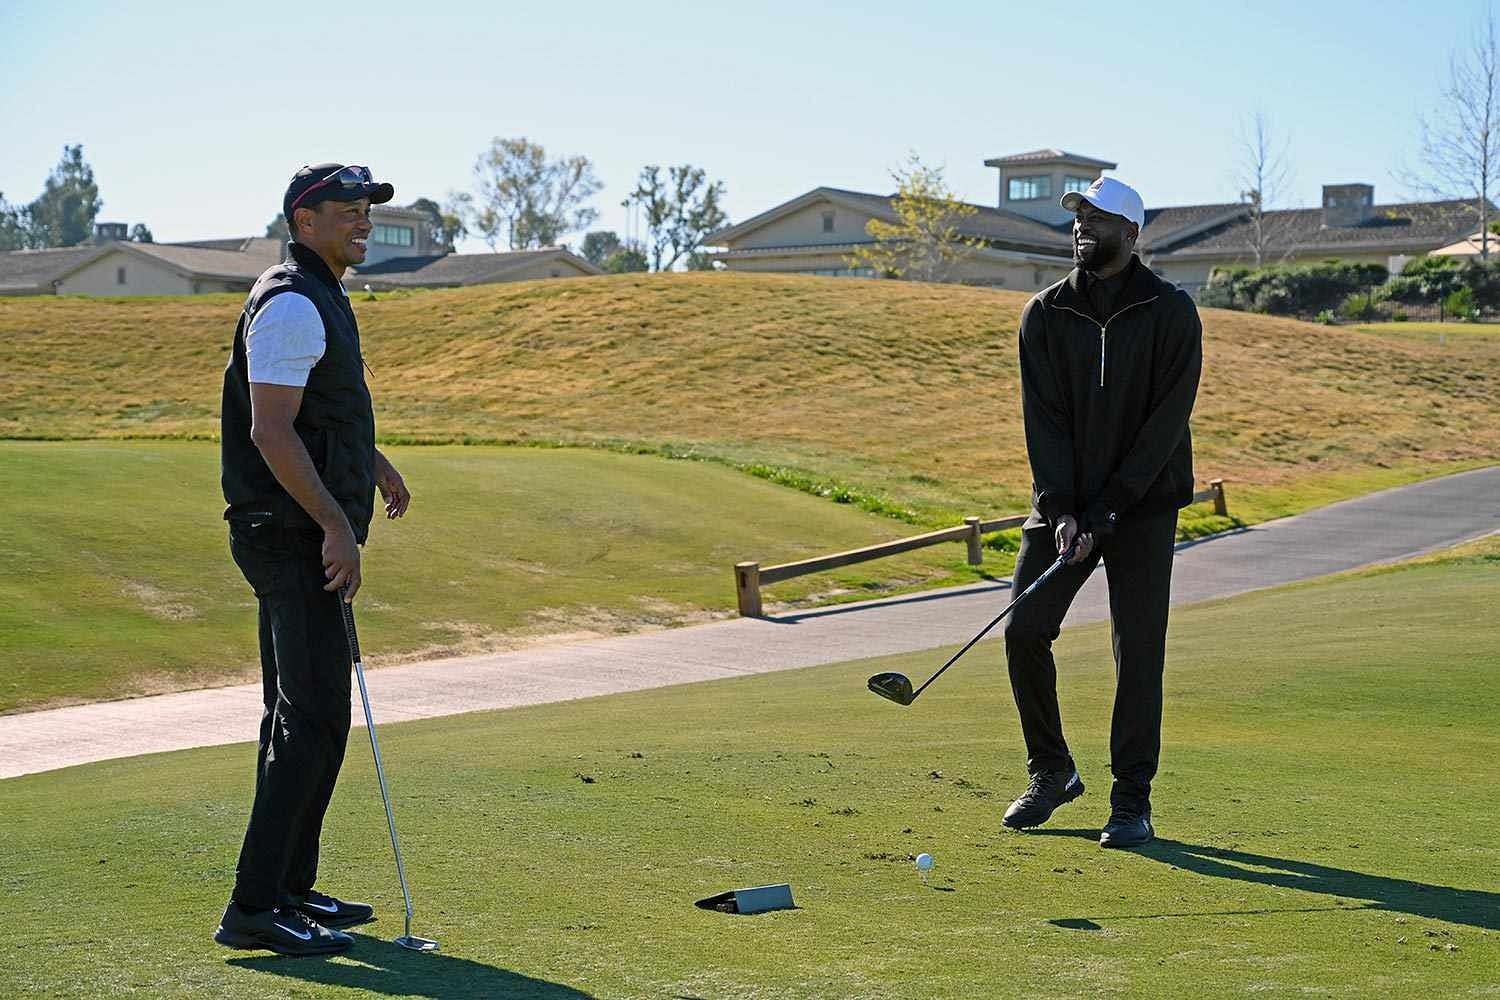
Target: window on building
1030,188
396,236
827,222
119,276
1073,182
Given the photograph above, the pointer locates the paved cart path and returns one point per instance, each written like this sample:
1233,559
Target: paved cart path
1384,526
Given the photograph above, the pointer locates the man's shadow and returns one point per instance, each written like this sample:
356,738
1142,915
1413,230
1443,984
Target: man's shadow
1474,907
379,967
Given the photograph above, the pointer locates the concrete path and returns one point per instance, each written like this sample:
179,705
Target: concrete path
1382,527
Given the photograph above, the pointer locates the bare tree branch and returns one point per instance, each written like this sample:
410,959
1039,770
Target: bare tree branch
1263,170
1459,142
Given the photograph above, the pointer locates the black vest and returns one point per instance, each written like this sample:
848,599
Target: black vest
336,421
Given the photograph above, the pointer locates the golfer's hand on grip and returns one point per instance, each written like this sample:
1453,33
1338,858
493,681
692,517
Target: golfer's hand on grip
341,560
1067,531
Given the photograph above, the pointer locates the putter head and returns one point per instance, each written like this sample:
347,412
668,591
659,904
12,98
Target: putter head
413,943
893,687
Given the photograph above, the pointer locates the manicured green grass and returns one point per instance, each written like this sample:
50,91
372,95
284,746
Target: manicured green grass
1325,807
118,577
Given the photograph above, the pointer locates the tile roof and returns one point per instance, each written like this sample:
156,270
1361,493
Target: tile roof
448,270
24,271
1412,226
1165,226
991,224
245,265
1045,156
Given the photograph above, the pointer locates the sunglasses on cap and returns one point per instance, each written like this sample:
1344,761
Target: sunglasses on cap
346,177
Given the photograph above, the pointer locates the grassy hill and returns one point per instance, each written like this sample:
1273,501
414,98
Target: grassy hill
556,850
905,391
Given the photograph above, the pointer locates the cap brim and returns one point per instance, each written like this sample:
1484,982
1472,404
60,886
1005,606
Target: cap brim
1072,199
378,193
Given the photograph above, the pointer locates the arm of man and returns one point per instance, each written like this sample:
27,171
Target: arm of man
1049,432
1172,405
273,409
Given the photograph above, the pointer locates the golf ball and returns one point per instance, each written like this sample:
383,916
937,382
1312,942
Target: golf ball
924,862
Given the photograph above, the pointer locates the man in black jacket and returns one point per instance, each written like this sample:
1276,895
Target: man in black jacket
300,470
1110,358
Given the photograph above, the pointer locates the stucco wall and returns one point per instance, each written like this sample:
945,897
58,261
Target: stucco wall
805,228
1015,276
142,277
545,269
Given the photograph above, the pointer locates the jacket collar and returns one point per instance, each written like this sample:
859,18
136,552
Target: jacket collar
1141,285
309,261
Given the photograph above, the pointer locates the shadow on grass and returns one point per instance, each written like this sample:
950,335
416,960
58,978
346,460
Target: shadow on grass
1474,907
380,967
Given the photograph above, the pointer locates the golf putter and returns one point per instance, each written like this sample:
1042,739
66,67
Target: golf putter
407,940
896,687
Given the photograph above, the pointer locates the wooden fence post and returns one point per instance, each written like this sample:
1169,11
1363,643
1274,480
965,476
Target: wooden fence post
747,588
1220,507
976,551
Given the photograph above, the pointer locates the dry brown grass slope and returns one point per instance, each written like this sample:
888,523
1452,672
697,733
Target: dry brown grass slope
902,387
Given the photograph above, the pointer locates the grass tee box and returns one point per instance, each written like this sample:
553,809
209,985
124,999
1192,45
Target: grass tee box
1309,846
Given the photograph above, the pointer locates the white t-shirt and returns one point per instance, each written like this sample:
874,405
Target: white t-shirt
284,340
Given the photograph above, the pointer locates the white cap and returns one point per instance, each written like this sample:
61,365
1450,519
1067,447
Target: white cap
1109,195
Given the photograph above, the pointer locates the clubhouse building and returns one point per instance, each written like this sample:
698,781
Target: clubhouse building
1025,242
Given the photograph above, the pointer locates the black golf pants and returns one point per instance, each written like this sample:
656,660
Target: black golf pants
1138,565
304,658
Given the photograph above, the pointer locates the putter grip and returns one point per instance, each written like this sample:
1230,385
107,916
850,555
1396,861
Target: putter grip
347,610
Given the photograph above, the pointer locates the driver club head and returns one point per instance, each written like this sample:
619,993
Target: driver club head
893,687
413,943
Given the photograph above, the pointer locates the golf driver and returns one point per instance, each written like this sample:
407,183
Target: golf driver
406,940
897,687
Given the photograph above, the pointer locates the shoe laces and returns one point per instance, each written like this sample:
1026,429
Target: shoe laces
1043,784
292,913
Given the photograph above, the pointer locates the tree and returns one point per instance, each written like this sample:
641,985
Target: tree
63,215
277,228
139,233
444,227
15,226
1262,176
526,200
925,241
680,210
599,246
1460,140
625,261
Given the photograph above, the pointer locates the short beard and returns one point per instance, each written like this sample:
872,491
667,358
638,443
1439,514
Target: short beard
1104,251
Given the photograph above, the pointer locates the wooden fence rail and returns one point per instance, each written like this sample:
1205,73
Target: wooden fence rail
749,577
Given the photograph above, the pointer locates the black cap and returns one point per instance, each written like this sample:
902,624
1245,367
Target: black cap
307,188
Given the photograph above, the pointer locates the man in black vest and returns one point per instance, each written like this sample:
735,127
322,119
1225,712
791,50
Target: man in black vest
300,470
1110,358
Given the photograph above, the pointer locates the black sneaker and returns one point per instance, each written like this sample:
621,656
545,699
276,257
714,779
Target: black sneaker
332,912
282,930
1047,791
1128,826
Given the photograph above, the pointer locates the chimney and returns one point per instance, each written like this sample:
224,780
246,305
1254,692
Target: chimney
1347,204
106,231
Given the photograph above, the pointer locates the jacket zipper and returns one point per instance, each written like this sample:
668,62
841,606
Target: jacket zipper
1103,326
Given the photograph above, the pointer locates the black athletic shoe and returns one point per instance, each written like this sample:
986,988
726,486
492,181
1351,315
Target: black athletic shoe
332,912
282,930
1128,826
1047,791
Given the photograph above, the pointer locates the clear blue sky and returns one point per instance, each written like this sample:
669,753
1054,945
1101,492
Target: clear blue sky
193,117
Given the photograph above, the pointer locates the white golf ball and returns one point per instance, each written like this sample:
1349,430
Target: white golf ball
924,862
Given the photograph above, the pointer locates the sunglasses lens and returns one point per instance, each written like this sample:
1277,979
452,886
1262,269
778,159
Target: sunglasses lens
353,176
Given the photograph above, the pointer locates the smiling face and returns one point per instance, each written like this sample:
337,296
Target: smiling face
1102,241
335,231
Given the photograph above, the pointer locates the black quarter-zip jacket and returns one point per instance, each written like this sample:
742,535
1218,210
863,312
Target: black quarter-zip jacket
1106,400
